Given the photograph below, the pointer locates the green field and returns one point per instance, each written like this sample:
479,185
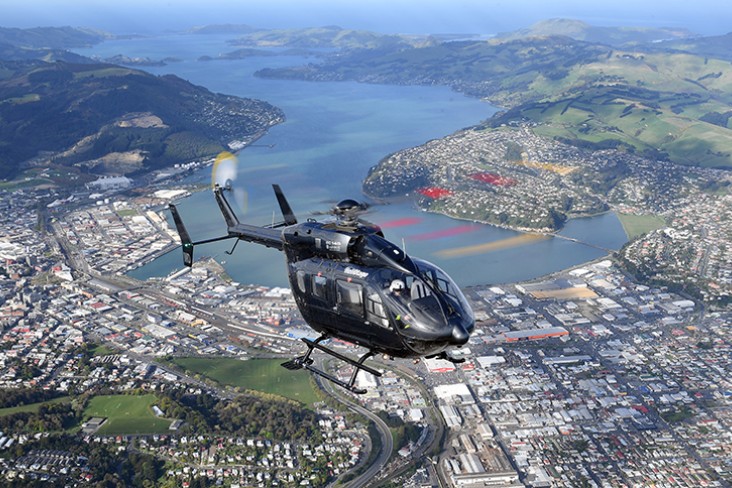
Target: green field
265,375
32,407
127,212
126,414
637,225
101,350
17,184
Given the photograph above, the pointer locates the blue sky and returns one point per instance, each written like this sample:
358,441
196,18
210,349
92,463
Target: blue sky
403,16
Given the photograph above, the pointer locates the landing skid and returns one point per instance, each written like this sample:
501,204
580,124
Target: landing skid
446,357
306,362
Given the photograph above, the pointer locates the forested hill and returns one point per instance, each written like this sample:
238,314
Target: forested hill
108,119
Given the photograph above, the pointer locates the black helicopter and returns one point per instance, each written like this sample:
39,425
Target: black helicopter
350,283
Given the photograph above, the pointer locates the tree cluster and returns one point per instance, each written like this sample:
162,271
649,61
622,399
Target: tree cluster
25,396
264,416
403,432
50,417
109,467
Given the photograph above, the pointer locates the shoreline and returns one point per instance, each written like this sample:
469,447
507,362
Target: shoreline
523,230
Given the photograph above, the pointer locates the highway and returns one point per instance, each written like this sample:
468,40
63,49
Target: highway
387,442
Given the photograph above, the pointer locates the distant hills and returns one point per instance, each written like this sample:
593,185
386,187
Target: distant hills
667,100
46,44
657,92
51,37
713,47
612,36
330,37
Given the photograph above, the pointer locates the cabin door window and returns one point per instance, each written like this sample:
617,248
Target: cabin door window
320,287
350,297
301,281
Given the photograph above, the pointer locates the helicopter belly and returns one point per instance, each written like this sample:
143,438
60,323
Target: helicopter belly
370,336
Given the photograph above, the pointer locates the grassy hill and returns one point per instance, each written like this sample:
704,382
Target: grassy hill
664,105
582,31
98,116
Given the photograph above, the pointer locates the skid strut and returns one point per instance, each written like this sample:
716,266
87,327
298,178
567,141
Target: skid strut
306,362
447,357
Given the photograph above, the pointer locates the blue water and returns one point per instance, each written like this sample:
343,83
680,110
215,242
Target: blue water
335,131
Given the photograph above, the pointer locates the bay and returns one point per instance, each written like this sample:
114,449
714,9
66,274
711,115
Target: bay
334,132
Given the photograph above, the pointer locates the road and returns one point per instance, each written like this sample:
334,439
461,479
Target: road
387,442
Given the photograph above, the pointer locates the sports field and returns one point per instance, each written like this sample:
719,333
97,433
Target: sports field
265,375
126,414
637,225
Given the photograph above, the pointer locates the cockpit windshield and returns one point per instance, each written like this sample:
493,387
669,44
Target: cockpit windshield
439,280
428,301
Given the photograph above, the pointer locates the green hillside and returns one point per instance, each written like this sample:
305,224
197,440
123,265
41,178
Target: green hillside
612,36
668,106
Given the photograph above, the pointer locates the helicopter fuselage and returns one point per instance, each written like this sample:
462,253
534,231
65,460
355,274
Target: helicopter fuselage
343,275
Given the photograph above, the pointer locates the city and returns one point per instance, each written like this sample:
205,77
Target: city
584,378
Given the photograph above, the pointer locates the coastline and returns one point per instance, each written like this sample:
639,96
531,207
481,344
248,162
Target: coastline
524,230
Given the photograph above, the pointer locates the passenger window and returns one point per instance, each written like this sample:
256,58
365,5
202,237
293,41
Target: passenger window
320,287
301,280
350,297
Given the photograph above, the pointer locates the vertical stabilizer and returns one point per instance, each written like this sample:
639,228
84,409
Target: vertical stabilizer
287,213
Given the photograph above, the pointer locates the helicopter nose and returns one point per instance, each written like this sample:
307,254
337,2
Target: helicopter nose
459,335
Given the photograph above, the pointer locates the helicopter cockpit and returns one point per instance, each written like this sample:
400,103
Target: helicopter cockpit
430,310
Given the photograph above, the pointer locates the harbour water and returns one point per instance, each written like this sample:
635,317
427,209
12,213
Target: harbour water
335,131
